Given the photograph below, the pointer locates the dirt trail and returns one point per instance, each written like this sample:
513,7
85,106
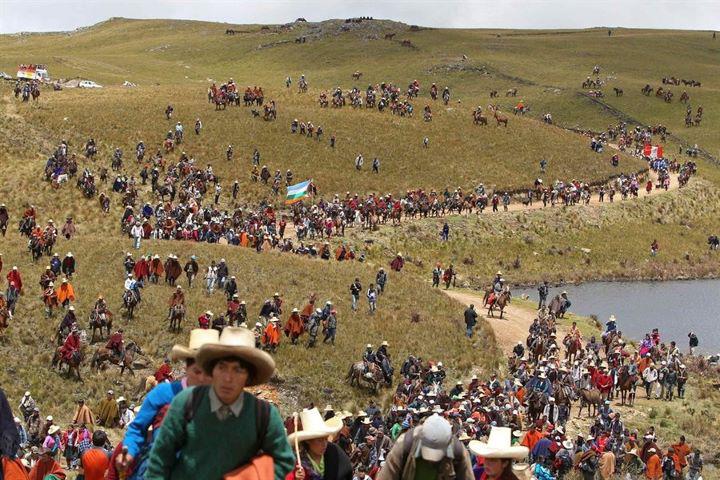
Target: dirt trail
517,206
514,325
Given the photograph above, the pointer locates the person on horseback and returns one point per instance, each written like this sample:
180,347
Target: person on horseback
610,326
132,286
177,298
68,322
116,346
368,357
70,346
498,283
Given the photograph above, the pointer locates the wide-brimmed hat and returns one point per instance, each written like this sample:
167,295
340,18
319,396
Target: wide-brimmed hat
198,338
313,426
499,445
239,342
53,430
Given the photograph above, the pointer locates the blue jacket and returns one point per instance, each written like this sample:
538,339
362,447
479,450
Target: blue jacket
136,435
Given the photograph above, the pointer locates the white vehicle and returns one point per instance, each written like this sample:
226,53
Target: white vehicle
5,76
88,84
33,72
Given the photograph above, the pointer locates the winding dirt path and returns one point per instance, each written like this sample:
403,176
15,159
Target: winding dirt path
509,330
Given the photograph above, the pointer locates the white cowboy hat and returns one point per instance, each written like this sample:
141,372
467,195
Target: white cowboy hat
198,338
568,445
312,426
53,430
498,445
329,408
239,342
384,344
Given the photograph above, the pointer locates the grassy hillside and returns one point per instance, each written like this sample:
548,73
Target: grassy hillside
173,62
305,374
549,244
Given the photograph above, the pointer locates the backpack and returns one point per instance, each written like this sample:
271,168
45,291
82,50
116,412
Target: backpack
458,450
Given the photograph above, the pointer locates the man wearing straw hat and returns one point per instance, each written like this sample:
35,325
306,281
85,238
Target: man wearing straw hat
498,454
428,451
155,403
317,458
222,418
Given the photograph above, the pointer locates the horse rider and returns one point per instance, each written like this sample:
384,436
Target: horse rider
132,286
610,326
50,299
68,322
70,345
178,298
369,357
116,345
498,283
101,306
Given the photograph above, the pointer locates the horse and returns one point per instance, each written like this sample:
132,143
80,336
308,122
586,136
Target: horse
608,340
73,364
356,75
130,301
103,355
627,384
374,377
590,397
618,91
536,346
177,315
499,118
512,92
35,92
572,347
500,302
36,246
98,321
535,402
557,307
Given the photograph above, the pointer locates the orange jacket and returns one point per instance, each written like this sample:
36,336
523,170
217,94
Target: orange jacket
682,450
654,468
66,292
271,335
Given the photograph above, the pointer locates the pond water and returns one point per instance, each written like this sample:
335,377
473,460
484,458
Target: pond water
674,307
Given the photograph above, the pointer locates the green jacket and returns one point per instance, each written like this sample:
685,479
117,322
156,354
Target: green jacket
207,448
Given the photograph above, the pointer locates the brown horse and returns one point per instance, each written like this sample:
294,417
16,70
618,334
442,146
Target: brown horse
177,314
499,118
98,321
73,364
103,355
627,384
374,377
590,397
572,347
500,303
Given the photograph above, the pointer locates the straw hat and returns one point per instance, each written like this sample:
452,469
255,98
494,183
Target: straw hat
53,430
198,338
239,342
312,426
498,445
